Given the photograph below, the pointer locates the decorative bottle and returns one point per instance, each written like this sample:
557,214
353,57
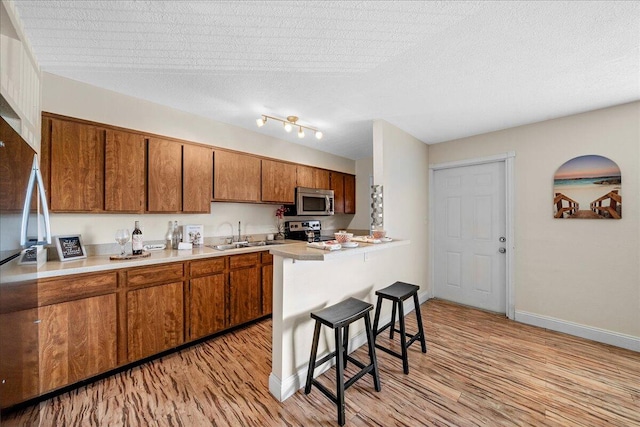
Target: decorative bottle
169,236
177,235
136,240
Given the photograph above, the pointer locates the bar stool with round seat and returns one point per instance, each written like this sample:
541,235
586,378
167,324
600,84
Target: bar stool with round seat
338,317
397,293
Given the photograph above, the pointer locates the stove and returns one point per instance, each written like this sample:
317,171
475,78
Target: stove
300,230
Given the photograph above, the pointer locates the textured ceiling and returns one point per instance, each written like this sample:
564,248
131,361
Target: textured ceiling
438,70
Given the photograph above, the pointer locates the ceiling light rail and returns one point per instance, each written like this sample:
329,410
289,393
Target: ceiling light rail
289,123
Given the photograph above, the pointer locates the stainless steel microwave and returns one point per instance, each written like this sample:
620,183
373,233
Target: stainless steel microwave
314,201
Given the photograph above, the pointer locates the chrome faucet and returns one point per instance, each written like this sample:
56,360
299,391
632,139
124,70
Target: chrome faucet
239,237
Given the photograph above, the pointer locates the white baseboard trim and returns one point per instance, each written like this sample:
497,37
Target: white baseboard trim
595,334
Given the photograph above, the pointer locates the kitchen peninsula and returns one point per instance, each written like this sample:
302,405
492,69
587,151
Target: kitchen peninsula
306,280
96,315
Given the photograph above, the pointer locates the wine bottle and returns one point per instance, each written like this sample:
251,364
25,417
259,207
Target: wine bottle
136,239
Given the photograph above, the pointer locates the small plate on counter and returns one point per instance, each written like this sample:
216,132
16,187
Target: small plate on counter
349,244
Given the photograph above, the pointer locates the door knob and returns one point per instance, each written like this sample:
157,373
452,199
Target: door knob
502,239
502,250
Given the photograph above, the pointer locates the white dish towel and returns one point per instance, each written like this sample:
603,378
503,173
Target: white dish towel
325,246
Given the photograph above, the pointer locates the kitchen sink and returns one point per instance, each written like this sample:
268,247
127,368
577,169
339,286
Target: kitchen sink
228,246
239,245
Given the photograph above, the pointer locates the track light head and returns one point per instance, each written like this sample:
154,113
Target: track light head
261,122
287,126
318,134
300,132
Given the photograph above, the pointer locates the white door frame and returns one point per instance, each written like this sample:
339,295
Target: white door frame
508,158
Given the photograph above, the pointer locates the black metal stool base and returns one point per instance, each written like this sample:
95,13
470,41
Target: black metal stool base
339,317
397,293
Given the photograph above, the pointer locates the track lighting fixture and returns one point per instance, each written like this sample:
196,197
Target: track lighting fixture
288,124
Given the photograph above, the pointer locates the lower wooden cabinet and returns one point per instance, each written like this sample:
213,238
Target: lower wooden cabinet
245,288
18,357
155,319
83,325
267,282
77,340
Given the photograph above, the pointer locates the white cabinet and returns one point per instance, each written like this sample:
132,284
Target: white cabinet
19,78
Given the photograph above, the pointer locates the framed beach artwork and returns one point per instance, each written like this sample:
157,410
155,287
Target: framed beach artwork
588,187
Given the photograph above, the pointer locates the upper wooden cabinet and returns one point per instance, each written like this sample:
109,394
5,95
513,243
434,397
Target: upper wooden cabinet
322,179
349,194
164,175
310,177
236,177
124,172
278,182
76,166
197,178
91,167
337,185
344,189
16,159
305,176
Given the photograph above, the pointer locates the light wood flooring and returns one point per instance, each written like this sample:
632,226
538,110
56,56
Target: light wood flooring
480,370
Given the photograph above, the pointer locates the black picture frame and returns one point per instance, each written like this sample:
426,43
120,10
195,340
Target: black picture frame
70,248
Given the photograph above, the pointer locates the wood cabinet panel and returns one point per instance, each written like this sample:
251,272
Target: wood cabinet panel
267,289
77,167
322,179
349,194
77,340
124,171
45,156
18,357
245,295
337,185
278,181
197,175
266,257
16,159
305,176
155,274
236,177
164,175
207,266
67,288
245,260
208,308
155,320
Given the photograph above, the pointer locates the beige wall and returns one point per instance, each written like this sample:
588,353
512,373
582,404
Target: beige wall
578,272
401,166
76,99
364,171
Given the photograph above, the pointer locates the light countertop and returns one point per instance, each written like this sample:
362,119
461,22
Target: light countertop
12,272
302,252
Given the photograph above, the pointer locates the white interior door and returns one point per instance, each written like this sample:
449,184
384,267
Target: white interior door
469,208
